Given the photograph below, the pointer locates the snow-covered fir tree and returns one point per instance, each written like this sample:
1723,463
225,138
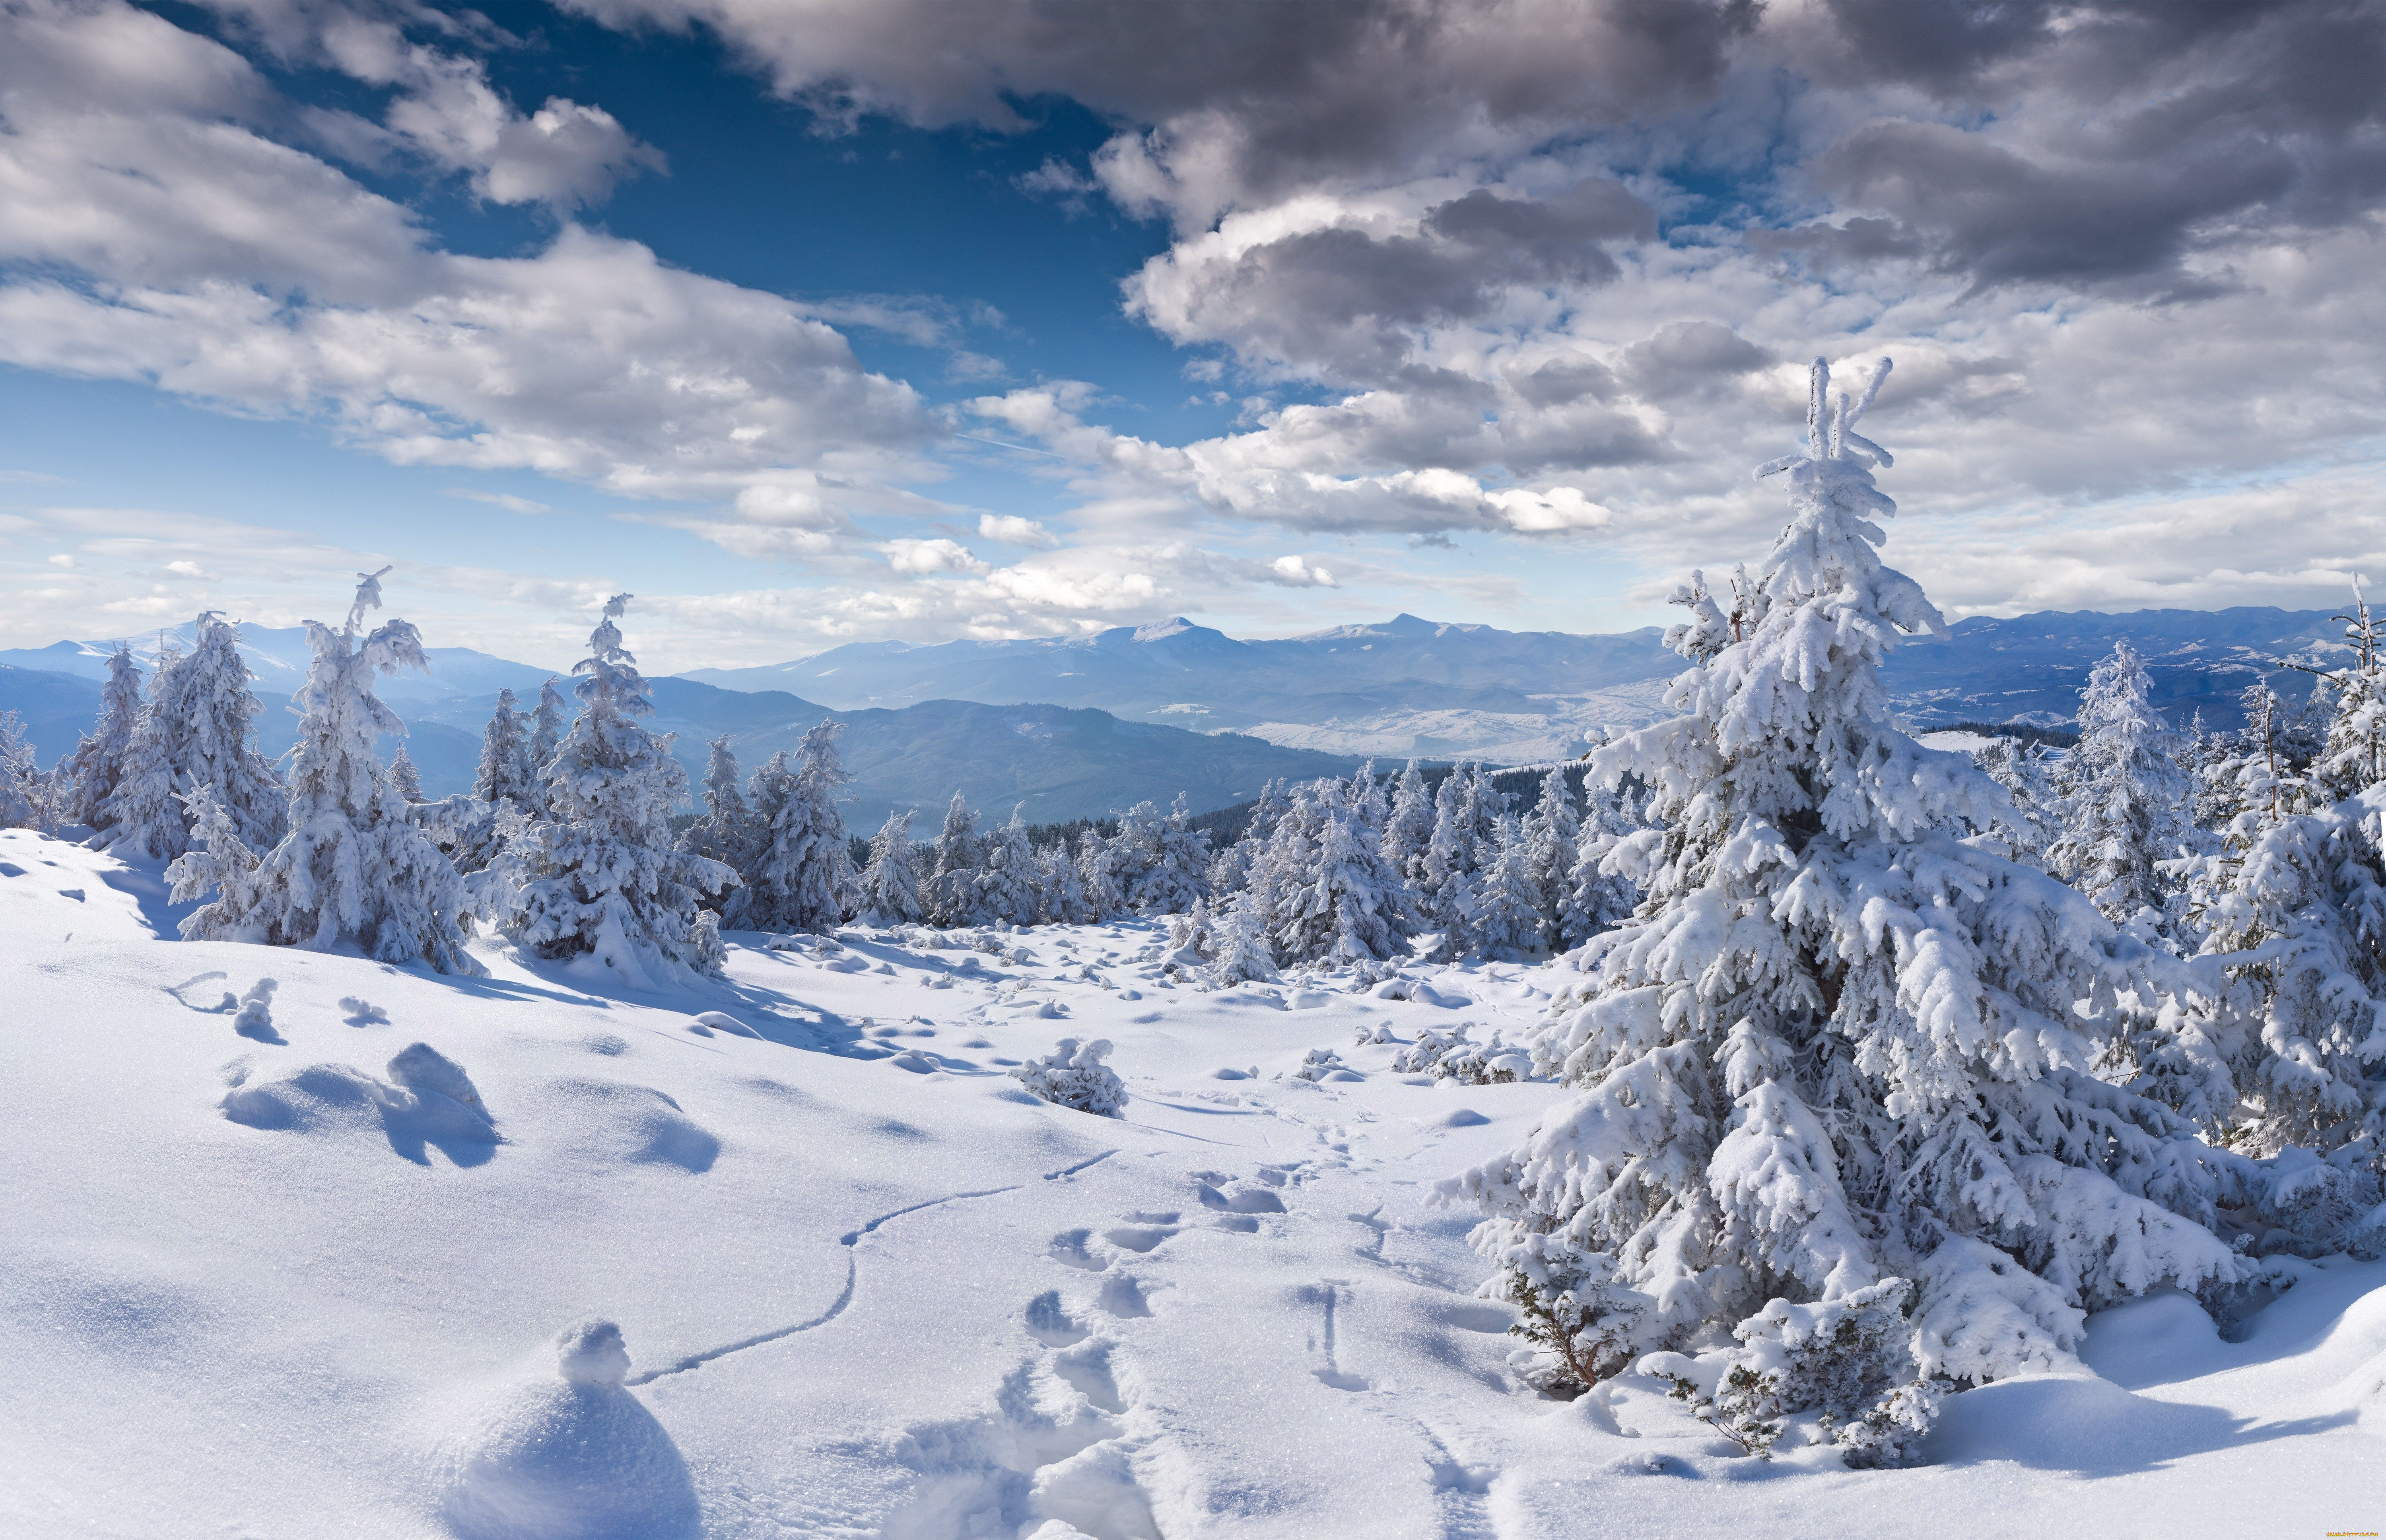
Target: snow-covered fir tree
354,870
1011,882
92,773
728,832
802,878
2124,802
952,897
1838,1046
507,774
198,729
604,881
404,779
1509,918
890,884
1553,849
1408,827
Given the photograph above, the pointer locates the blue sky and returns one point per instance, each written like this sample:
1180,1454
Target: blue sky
823,321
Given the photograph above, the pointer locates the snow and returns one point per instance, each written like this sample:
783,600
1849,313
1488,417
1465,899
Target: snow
791,1253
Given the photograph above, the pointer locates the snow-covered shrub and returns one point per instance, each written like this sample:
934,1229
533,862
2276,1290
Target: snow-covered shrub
1453,1055
1837,1038
1073,1075
603,881
355,869
1579,1325
1847,1361
1318,1063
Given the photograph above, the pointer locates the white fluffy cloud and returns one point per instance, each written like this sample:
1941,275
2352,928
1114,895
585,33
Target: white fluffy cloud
161,235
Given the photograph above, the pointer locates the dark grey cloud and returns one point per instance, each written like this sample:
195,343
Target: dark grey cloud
1346,300
1287,93
1687,355
2121,141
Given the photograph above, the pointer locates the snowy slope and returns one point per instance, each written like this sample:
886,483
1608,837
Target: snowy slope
249,1285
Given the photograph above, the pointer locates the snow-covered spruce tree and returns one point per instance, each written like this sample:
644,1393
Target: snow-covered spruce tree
1598,896
890,884
1238,945
1837,1045
1553,849
24,794
802,878
1010,885
1509,919
2124,802
354,870
1162,861
603,881
1370,804
196,730
1062,888
1408,827
2278,1045
952,896
546,729
1098,870
506,773
2353,760
92,773
2035,821
404,779
727,833
1346,904
1450,861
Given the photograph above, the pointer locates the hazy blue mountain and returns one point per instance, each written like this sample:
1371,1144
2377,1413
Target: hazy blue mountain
2032,668
57,710
279,656
1411,686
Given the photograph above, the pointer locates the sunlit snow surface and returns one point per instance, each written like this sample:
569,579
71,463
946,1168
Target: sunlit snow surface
257,1283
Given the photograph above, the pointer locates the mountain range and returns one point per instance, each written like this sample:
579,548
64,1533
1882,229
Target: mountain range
1084,726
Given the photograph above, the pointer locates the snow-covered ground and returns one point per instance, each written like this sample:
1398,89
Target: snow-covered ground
255,1282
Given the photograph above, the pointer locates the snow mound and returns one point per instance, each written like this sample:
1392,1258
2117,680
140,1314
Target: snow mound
573,1458
336,1100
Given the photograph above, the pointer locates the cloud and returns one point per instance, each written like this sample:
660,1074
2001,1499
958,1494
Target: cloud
1012,530
505,500
1293,572
927,557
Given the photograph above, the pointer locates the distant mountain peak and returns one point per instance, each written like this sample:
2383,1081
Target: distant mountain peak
1174,626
